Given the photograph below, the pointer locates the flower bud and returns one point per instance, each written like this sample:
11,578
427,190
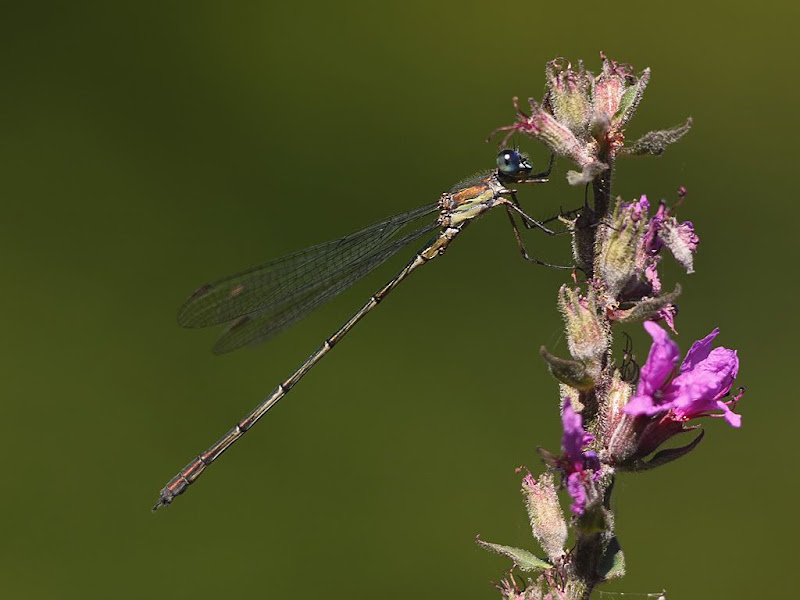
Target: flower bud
616,92
544,511
618,438
557,136
587,334
569,95
620,242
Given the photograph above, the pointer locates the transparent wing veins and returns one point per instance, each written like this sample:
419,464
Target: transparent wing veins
296,278
254,329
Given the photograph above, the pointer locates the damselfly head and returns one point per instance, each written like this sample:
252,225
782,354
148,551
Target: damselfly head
512,163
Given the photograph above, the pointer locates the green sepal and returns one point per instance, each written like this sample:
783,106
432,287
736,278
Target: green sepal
666,456
526,561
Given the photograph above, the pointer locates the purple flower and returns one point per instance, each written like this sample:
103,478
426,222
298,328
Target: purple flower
695,389
667,397
581,466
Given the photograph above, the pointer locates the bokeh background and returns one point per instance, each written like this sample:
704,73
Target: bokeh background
146,148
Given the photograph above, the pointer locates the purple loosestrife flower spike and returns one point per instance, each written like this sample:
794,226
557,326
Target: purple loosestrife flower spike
704,378
615,416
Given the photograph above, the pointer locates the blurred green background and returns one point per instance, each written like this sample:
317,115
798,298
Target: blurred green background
146,148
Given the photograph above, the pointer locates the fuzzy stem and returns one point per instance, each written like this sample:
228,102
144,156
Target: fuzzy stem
586,566
585,569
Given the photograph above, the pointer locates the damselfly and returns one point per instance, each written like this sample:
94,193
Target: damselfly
263,300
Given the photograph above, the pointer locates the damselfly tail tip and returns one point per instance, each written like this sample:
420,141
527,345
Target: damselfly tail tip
165,499
168,493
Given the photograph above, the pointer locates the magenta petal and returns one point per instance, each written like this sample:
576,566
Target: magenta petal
642,405
660,362
575,438
733,419
698,390
722,360
699,351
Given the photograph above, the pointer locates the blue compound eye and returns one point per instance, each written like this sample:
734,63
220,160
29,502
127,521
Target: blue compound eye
512,163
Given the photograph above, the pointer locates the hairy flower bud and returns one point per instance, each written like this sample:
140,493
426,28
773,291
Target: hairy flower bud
569,95
587,334
617,434
557,136
620,242
616,92
546,516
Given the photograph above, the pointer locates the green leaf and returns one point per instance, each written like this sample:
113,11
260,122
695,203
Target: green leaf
526,561
612,564
571,372
655,142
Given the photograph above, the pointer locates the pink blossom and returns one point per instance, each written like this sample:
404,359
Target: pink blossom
695,389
